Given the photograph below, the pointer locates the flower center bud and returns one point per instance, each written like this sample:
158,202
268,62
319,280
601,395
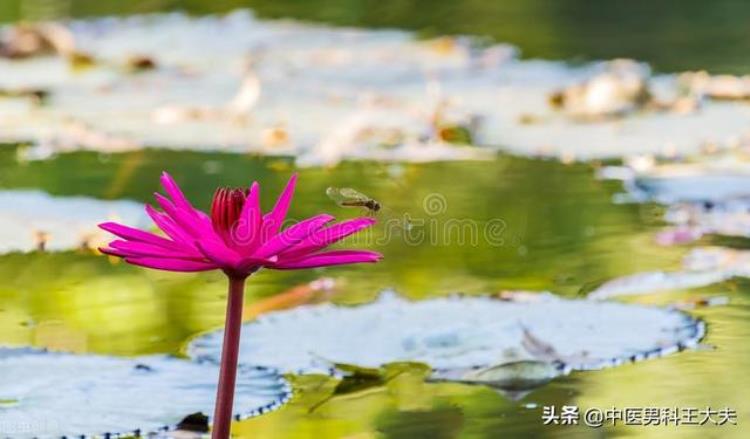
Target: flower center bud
226,208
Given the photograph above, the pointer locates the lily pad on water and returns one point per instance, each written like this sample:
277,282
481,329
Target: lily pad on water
715,178
701,267
657,281
706,194
32,220
695,183
731,218
236,82
54,395
458,333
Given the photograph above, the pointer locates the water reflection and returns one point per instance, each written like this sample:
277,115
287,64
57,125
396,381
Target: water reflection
548,211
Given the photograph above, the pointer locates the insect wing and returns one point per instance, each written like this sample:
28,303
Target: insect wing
346,196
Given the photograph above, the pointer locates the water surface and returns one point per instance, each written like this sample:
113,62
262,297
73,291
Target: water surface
561,232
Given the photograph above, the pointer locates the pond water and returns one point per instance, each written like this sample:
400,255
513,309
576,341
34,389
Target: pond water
525,224
559,231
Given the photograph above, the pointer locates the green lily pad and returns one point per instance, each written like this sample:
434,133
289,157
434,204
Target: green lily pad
52,395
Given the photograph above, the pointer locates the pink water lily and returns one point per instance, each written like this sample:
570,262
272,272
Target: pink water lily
239,239
236,238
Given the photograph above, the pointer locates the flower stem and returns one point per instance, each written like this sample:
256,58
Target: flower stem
229,355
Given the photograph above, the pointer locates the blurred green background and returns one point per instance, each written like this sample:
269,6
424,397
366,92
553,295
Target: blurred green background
673,35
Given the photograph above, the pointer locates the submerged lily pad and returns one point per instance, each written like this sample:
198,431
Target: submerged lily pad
458,333
58,395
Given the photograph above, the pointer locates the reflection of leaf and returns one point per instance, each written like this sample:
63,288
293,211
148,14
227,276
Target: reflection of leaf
358,379
437,423
351,384
392,370
355,384
357,372
355,379
517,375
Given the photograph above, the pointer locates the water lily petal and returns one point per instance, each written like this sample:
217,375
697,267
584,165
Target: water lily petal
326,259
175,193
133,234
113,252
251,265
168,226
325,237
245,234
141,249
184,219
181,202
237,237
219,253
171,264
274,219
292,235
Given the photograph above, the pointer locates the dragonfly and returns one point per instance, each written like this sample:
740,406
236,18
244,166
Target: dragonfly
348,197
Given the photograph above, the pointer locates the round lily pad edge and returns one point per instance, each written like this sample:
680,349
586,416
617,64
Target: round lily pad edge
697,326
286,393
